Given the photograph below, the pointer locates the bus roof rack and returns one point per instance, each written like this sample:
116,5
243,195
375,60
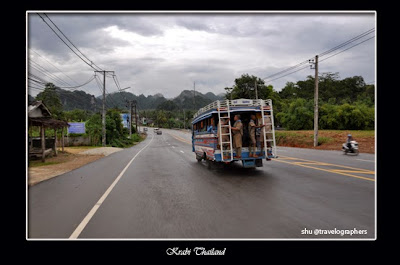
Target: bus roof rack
235,102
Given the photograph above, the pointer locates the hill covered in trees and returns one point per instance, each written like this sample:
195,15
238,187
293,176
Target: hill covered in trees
347,103
77,99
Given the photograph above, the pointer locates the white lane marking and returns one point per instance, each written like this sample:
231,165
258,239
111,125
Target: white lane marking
280,150
182,152
173,146
89,216
365,160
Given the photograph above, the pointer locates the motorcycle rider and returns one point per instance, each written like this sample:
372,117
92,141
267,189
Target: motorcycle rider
349,139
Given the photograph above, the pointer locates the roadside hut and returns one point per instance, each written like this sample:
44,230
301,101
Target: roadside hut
40,116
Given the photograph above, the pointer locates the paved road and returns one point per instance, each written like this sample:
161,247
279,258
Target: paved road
165,193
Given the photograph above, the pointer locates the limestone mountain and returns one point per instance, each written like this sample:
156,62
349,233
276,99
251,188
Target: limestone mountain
78,99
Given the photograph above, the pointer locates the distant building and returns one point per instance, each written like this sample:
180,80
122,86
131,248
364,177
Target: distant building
149,123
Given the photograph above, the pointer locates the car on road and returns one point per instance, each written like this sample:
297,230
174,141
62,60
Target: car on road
159,131
145,129
155,129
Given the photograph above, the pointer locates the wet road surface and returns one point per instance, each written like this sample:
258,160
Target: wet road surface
157,190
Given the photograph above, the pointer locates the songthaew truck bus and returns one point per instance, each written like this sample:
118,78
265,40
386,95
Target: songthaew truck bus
212,136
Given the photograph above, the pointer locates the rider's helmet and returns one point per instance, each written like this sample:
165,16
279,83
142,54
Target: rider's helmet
349,135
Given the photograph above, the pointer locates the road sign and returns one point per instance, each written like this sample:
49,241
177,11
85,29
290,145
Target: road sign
126,117
76,127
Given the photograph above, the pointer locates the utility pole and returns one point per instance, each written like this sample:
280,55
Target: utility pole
130,120
132,103
135,119
230,92
103,140
255,87
316,103
184,119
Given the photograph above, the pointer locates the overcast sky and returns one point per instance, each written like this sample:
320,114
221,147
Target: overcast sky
166,53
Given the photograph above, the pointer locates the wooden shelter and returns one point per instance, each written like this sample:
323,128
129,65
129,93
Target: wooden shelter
40,116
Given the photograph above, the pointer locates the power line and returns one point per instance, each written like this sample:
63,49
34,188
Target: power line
39,78
75,87
31,79
323,54
54,78
306,67
72,43
31,84
347,42
46,72
347,48
119,87
90,64
71,96
111,98
43,72
53,65
288,69
109,95
40,89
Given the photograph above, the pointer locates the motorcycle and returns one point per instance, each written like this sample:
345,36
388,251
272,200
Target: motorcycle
353,148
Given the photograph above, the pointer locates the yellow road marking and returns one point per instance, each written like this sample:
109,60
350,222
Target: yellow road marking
327,164
354,171
311,163
327,170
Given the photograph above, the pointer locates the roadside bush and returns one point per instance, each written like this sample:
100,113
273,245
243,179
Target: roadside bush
298,114
116,134
94,128
136,137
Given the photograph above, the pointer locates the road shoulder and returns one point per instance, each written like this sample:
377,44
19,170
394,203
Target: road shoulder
71,159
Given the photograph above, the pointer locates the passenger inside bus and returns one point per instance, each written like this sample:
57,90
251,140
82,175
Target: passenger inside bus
210,125
245,118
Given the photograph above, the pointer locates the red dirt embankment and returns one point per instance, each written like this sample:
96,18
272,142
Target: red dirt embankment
327,139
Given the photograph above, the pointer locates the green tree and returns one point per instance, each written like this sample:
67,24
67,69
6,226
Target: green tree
328,116
77,115
328,85
245,88
228,92
52,100
289,91
297,115
161,118
94,128
116,134
114,127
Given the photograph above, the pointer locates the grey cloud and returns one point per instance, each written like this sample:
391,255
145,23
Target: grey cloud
194,24
278,40
86,31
